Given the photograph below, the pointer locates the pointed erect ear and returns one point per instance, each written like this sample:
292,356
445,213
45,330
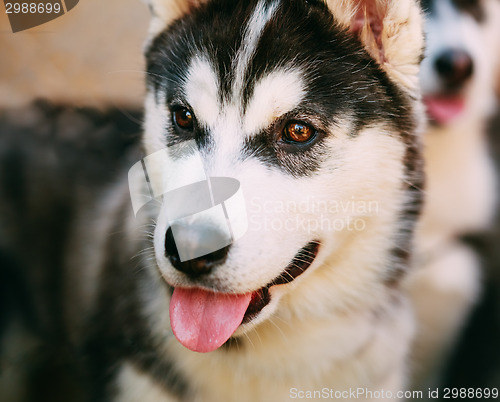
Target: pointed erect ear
163,12
390,30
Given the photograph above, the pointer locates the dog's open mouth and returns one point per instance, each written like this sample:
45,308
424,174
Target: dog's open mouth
444,108
203,320
302,260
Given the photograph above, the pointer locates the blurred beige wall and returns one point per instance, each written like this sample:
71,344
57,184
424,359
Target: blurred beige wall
90,56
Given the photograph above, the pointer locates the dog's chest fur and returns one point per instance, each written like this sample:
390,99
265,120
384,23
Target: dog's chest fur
278,363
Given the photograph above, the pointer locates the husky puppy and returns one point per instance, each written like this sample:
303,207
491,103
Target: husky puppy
314,108
458,80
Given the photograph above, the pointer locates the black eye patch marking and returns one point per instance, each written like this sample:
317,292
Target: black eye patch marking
184,127
302,162
293,143
472,7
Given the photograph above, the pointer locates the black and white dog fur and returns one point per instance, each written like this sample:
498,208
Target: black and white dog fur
458,80
234,76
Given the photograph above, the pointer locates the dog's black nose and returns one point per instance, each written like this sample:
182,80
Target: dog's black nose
194,241
454,66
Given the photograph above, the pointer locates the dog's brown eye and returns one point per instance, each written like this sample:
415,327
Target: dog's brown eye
183,118
298,132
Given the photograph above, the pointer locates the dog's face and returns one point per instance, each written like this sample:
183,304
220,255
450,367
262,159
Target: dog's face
458,70
299,102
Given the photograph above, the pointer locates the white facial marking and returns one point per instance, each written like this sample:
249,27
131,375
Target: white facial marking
446,28
202,87
253,31
155,124
274,95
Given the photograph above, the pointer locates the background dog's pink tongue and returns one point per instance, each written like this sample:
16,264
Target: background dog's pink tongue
202,320
444,109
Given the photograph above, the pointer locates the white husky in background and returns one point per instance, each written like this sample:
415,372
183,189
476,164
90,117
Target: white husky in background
458,80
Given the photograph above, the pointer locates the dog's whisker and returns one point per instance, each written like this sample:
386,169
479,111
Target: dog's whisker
250,340
272,321
143,251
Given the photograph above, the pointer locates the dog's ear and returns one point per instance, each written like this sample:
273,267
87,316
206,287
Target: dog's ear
163,12
390,30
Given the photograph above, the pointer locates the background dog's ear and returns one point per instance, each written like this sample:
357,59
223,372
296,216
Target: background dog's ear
163,12
390,30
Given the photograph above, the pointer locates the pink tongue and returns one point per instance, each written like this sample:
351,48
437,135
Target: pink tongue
444,109
202,321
